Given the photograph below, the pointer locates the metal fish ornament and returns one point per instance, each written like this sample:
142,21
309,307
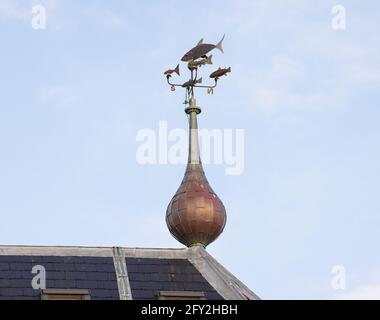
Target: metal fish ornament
191,83
201,49
170,71
220,72
200,62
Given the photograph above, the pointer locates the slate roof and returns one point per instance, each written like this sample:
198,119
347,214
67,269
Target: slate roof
148,271
147,276
94,273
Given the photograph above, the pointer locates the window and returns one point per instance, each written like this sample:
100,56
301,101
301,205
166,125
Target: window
181,295
65,294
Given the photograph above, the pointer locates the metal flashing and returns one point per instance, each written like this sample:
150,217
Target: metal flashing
121,274
223,281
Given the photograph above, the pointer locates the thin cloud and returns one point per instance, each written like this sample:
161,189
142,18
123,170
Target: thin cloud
107,19
13,10
362,292
57,95
280,86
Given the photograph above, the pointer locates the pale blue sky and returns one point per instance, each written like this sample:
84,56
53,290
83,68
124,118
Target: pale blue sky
73,97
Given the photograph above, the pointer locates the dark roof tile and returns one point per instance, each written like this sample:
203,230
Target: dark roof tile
105,267
147,285
197,286
150,261
134,268
181,277
76,275
4,283
14,259
52,259
144,276
4,266
30,292
197,278
86,267
159,276
11,292
102,293
55,275
97,276
143,294
96,260
64,267
20,283
86,284
64,284
173,286
107,285
12,274
20,266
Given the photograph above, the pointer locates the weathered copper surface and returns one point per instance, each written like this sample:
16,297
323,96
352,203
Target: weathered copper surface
220,72
195,215
201,49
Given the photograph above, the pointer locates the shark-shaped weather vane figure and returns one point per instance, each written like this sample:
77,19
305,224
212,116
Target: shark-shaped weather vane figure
196,58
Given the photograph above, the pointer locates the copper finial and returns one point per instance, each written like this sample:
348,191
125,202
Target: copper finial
195,215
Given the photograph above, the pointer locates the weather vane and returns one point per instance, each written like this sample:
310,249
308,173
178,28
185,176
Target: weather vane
196,58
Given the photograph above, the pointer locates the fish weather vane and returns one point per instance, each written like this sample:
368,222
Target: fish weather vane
196,58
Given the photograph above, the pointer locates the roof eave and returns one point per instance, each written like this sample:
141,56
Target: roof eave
223,281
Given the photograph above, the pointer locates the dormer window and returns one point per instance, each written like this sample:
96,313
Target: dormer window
181,295
65,294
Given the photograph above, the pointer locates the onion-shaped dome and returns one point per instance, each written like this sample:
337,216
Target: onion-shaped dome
195,215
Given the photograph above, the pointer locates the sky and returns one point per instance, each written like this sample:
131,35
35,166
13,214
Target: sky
74,95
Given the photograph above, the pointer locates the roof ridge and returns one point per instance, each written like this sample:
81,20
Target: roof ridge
92,251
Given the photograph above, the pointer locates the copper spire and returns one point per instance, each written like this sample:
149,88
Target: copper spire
195,215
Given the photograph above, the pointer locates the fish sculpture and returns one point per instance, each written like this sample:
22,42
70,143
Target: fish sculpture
200,62
169,72
201,49
191,83
220,72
